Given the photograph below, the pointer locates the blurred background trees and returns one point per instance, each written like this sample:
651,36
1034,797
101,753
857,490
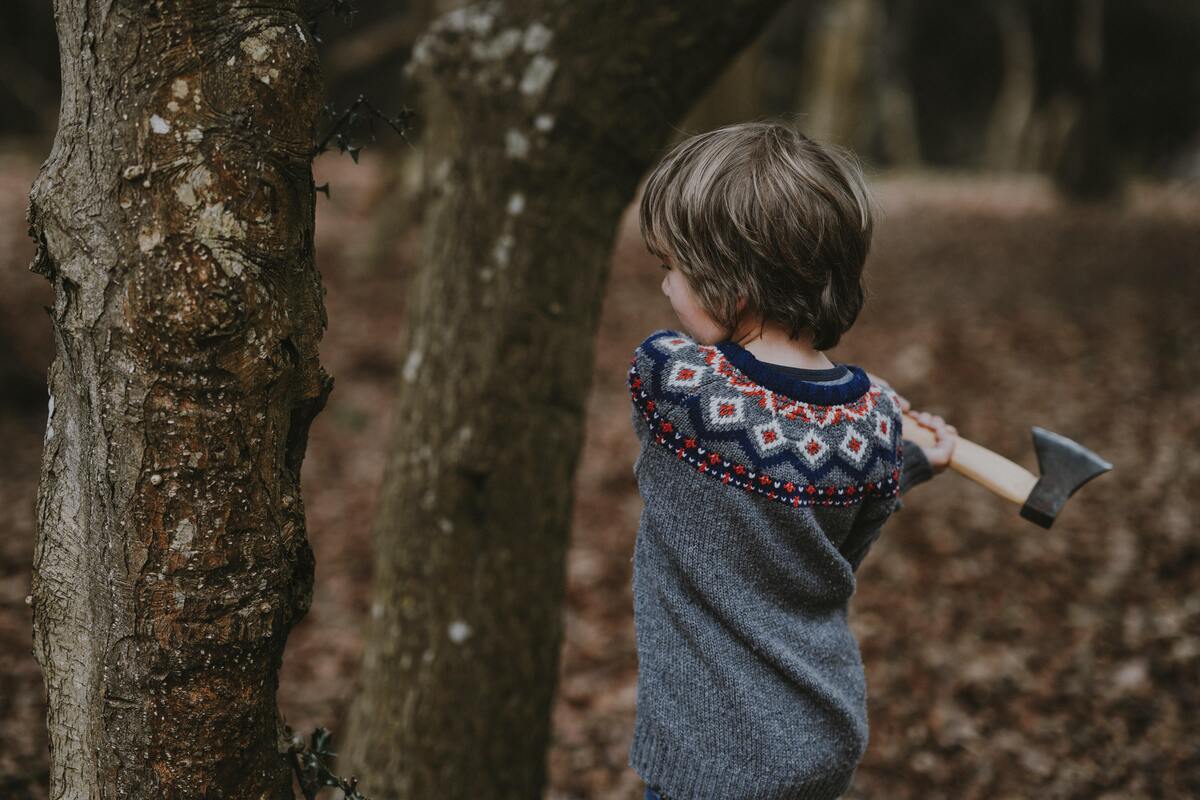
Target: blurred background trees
1054,86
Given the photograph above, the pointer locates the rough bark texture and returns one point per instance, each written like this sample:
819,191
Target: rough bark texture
540,118
174,217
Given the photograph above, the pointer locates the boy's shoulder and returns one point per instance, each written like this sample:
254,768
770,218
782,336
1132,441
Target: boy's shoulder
836,445
664,340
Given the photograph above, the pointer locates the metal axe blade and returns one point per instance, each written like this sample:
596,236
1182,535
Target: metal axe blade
1065,465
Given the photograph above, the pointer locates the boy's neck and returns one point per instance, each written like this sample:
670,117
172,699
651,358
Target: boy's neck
773,346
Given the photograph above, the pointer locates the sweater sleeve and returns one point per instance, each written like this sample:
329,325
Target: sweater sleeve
867,527
869,524
916,467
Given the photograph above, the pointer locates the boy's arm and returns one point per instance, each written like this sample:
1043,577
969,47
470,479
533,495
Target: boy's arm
867,527
915,469
869,523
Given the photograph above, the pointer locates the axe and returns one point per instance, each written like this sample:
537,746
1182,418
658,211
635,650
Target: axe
1065,466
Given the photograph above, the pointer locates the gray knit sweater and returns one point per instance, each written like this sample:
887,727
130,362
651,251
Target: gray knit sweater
762,494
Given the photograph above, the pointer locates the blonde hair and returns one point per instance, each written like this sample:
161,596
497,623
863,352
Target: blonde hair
760,209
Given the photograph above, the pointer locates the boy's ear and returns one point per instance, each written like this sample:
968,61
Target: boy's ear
741,303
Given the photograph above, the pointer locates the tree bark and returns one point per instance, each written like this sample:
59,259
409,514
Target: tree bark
174,218
540,119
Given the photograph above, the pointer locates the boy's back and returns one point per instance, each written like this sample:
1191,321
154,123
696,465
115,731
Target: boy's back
764,482
758,509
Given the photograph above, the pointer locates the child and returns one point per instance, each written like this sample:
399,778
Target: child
766,471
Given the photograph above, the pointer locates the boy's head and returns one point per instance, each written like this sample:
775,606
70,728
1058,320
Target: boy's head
764,224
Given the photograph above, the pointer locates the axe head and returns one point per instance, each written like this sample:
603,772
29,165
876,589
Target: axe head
1065,465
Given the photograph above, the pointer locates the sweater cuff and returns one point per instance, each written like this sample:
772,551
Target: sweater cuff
916,468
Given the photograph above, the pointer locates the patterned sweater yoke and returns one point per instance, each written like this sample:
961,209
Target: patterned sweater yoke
819,444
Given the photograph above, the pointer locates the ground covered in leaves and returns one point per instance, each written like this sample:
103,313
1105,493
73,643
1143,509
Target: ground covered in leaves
1003,660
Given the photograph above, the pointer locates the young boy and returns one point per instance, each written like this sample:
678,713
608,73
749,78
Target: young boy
766,471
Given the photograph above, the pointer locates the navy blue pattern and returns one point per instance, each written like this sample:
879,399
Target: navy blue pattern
770,377
814,445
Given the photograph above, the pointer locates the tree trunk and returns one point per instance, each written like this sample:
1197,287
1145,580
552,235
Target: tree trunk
1006,147
540,119
896,107
1084,168
838,88
738,94
174,218
857,87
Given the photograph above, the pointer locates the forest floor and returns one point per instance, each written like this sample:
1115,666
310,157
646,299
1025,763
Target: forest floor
1003,660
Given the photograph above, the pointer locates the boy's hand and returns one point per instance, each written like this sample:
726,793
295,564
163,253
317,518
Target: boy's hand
946,436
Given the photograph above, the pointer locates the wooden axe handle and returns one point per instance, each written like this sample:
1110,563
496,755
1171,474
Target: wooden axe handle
1006,478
